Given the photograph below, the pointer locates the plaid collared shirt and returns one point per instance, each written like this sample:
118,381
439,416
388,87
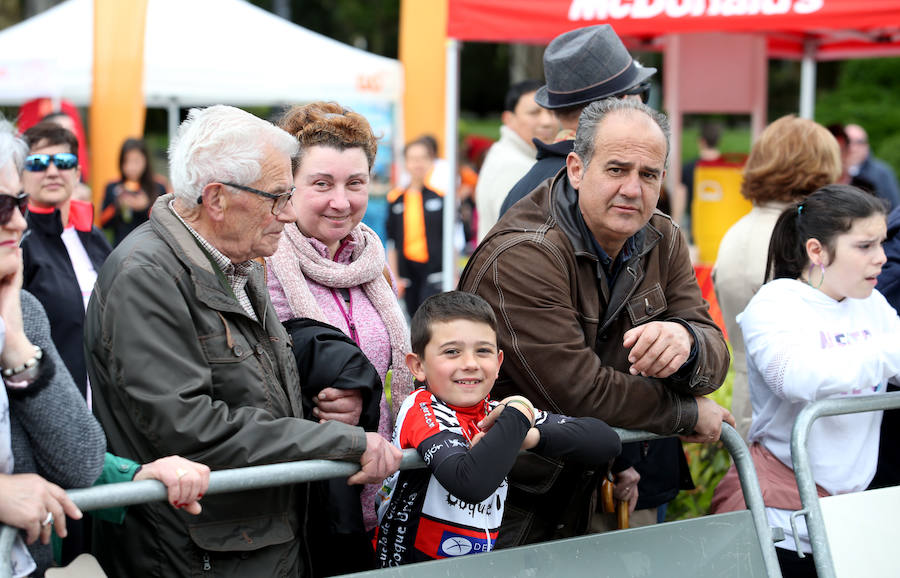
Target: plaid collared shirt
237,274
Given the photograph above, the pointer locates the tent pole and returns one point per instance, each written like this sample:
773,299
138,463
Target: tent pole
174,118
808,80
672,104
451,112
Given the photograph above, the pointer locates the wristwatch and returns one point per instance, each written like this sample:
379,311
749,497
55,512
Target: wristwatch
24,375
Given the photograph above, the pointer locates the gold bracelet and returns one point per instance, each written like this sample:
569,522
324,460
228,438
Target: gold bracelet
524,400
527,405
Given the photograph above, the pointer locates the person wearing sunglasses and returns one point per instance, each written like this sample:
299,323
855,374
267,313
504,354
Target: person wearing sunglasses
63,250
187,356
32,374
45,426
82,192
582,66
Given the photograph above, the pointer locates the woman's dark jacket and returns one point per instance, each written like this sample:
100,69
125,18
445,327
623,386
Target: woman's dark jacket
327,357
48,275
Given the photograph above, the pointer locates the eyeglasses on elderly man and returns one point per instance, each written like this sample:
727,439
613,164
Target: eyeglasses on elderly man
280,200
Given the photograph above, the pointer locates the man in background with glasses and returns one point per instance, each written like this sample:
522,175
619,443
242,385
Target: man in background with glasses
186,355
63,250
863,164
581,66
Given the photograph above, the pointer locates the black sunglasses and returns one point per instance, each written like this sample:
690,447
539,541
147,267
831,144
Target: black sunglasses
642,89
39,163
9,203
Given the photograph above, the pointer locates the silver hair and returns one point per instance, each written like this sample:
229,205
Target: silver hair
12,147
594,113
221,143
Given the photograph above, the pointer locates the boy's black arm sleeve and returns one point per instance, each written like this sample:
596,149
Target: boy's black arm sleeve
582,439
473,474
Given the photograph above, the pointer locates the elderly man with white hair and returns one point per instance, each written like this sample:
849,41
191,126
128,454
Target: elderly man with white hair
186,355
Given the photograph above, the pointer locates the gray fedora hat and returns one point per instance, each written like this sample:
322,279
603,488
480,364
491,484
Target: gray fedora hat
585,65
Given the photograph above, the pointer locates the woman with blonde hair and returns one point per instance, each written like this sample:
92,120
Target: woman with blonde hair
792,158
331,268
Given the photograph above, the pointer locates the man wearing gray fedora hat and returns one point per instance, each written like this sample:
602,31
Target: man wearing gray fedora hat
581,66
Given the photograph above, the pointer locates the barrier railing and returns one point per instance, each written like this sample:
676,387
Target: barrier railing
224,481
740,453
809,497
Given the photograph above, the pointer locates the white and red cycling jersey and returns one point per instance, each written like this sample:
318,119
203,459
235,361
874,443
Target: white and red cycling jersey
455,506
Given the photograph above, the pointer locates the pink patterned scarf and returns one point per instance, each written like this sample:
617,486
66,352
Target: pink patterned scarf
296,259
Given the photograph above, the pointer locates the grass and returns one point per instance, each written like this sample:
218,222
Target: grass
488,126
733,141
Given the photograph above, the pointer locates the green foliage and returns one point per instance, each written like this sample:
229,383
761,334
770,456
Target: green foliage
483,77
889,151
372,26
708,463
862,95
157,145
784,88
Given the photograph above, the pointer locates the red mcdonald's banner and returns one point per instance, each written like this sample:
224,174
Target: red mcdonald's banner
541,20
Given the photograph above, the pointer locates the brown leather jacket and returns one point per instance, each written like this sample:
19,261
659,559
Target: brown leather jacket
561,326
561,329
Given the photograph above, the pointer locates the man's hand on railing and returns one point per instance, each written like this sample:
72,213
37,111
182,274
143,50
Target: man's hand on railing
380,460
35,505
710,416
185,481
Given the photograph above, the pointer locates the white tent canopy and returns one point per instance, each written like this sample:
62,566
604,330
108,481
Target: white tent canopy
196,52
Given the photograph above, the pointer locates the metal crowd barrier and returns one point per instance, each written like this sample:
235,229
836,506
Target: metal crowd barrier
130,493
740,453
736,544
809,497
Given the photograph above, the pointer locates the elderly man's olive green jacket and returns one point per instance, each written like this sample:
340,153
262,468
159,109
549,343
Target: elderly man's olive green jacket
178,367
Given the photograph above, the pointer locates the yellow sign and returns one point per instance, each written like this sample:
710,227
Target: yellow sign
717,204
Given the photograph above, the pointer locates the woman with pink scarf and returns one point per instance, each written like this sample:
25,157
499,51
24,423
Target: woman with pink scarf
331,268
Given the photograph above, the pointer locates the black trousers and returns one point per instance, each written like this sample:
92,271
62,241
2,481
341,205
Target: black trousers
423,283
336,554
793,566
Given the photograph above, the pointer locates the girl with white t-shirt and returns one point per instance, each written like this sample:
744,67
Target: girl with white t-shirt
817,330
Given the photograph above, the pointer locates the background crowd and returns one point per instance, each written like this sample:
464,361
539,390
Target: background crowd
241,313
